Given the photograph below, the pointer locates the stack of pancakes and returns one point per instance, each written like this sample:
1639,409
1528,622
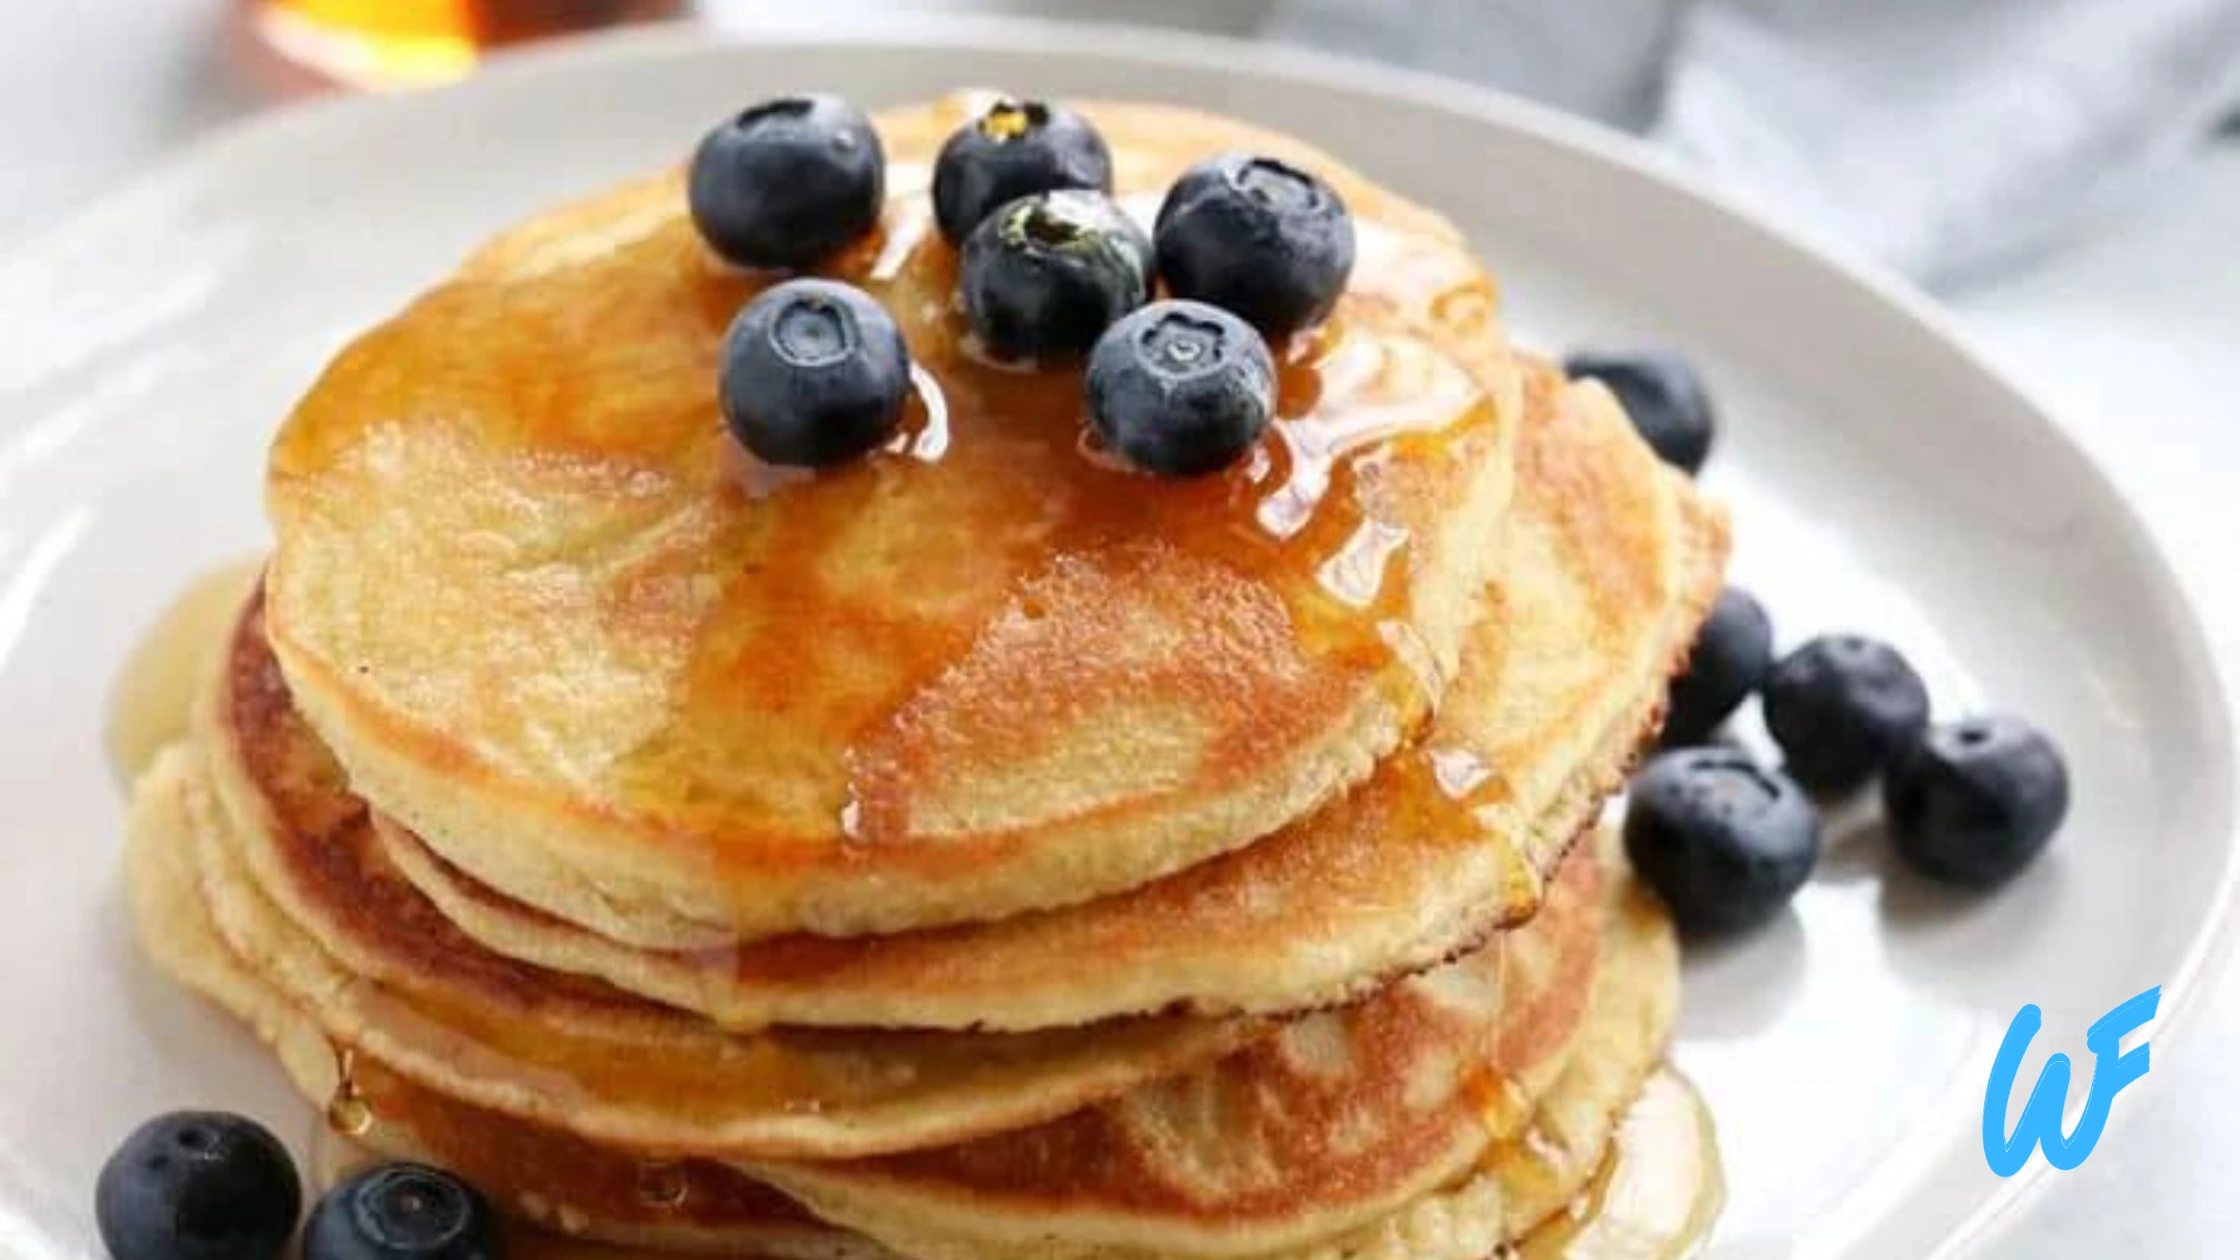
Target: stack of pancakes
977,851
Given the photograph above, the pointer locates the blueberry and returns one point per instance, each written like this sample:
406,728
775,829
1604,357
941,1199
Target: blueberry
401,1212
1663,397
1724,840
1973,802
1180,388
1258,237
198,1185
789,182
1044,276
814,373
1843,707
1733,649
1012,150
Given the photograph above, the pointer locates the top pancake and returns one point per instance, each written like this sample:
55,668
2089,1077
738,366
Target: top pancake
551,619
1609,559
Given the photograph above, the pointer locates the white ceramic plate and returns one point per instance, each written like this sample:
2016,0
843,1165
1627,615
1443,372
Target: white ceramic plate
1882,480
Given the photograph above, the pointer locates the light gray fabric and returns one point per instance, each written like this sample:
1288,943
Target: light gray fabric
1944,137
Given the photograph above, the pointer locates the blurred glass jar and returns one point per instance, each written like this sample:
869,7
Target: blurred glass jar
405,43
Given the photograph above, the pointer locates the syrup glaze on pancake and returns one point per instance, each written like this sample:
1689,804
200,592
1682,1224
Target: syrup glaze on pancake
551,619
298,883
602,1196
1608,562
530,1173
1339,1121
1528,1189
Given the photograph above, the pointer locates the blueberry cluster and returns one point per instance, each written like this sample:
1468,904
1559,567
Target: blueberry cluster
815,373
1727,841
206,1185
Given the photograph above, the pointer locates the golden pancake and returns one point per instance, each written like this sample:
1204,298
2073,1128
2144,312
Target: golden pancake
602,1196
1608,562
1518,1195
298,884
1340,1118
1329,1129
530,1173
550,618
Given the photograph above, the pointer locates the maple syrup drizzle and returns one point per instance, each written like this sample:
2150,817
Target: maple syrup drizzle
1347,396
1655,1195
1356,575
347,1112
662,1184
1503,1106
746,609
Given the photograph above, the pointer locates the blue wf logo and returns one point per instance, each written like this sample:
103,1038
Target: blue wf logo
2040,1125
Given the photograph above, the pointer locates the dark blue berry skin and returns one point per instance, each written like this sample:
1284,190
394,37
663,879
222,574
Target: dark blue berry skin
1662,395
1725,841
1014,149
1180,388
198,1185
1257,237
788,183
402,1212
1732,652
1843,707
1044,276
815,373
1972,803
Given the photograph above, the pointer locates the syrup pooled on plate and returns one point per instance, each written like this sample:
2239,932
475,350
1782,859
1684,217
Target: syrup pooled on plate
1656,1195
155,690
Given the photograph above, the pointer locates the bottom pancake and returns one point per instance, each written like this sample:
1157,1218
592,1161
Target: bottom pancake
1573,1074
1513,1205
1258,1157
530,1173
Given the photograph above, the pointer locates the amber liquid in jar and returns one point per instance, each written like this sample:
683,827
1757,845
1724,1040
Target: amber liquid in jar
401,43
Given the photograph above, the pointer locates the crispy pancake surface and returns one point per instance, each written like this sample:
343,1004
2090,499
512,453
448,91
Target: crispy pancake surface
1582,1019
552,620
1316,1142
1608,561
297,883
531,1173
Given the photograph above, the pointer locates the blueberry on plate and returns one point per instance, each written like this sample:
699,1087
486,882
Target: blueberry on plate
1045,275
1014,149
788,182
814,373
1663,397
401,1212
1258,237
1973,802
1180,388
1724,840
1843,707
198,1185
1733,650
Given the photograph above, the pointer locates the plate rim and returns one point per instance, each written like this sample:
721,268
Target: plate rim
2210,954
